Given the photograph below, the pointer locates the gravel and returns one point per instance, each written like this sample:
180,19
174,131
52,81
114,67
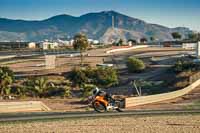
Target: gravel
132,124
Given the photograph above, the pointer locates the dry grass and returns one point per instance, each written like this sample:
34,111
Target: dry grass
145,124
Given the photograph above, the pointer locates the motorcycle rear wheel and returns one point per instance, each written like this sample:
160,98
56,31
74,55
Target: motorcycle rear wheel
119,110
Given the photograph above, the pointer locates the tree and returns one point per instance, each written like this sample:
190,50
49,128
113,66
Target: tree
194,36
137,85
6,79
135,65
143,40
152,38
120,43
132,41
176,35
81,43
198,36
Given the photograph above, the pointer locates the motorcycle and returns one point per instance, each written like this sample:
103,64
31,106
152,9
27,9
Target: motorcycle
103,104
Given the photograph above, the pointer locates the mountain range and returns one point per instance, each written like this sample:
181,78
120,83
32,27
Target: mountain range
95,25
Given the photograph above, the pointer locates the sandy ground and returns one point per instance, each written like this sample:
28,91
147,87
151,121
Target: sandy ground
133,124
65,64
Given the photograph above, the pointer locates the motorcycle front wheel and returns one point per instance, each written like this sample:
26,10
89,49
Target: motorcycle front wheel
99,107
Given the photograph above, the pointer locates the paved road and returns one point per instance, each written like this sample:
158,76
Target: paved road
61,115
10,54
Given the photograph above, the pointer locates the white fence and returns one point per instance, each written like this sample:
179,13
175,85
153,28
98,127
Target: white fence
135,101
125,49
24,106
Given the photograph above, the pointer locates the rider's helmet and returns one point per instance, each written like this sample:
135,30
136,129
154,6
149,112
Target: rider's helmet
95,91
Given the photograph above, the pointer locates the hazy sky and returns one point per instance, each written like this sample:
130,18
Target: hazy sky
170,13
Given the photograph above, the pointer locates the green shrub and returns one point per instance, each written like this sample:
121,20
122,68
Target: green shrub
7,70
135,65
6,80
182,66
63,91
78,76
87,90
106,76
19,90
101,76
42,87
178,66
90,74
37,86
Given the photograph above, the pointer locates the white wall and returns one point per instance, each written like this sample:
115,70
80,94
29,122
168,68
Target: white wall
189,45
31,45
49,45
135,101
125,49
198,50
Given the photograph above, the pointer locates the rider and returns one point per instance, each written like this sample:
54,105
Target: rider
98,92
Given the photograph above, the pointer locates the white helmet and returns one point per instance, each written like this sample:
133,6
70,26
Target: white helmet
95,91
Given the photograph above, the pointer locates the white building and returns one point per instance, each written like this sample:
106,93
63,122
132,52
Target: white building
48,45
32,45
130,43
71,42
64,43
189,45
91,41
95,41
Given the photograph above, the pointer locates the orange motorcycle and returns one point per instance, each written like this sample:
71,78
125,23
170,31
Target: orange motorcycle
103,103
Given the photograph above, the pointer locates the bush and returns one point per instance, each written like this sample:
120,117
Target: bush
19,90
135,65
78,76
37,86
178,66
104,77
182,66
63,91
6,80
8,71
87,90
42,87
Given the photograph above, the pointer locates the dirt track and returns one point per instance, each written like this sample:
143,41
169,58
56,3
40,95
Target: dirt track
142,124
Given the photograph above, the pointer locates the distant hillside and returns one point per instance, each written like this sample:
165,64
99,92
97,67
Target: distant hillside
95,25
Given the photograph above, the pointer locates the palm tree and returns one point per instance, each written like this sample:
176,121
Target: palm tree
6,79
39,86
81,43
